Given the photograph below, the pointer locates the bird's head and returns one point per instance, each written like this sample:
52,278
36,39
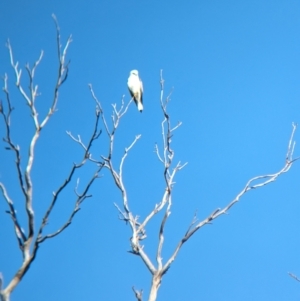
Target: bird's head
134,72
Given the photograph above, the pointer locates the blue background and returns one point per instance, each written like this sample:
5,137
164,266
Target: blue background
235,70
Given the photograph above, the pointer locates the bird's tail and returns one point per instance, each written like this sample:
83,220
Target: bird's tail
140,106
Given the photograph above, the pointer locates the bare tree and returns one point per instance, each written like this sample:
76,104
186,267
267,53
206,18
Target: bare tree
166,157
30,240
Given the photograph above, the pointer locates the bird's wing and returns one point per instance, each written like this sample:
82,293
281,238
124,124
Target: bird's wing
141,86
129,85
142,90
131,94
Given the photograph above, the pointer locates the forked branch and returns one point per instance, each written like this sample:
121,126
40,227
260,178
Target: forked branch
138,294
30,242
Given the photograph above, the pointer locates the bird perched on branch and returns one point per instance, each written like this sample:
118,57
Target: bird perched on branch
135,87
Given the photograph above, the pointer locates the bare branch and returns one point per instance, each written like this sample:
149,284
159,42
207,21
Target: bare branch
80,199
161,236
29,250
168,155
78,140
99,109
127,216
138,250
63,70
122,163
18,73
250,185
194,221
21,237
95,135
55,197
30,99
157,153
294,276
138,294
123,216
11,146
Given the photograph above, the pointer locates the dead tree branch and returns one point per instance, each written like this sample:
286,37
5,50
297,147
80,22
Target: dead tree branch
294,276
166,157
30,240
138,294
250,185
117,114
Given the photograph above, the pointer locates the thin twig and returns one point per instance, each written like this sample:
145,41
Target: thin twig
138,294
79,200
21,237
294,276
11,145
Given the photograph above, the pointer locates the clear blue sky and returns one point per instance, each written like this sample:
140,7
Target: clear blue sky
235,69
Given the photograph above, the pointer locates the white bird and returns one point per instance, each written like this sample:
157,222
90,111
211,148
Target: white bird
135,87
